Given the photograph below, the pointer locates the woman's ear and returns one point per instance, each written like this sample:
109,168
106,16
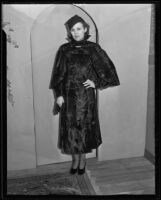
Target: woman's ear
85,29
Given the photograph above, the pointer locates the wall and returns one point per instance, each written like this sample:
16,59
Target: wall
124,32
125,36
20,115
150,148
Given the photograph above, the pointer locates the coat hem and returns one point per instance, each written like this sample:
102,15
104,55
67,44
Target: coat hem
84,152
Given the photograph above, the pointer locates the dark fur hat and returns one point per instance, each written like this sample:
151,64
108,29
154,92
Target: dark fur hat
73,20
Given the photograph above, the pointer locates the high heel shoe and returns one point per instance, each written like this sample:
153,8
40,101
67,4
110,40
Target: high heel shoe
81,171
73,171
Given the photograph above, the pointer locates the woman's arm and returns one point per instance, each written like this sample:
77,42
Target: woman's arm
58,73
106,75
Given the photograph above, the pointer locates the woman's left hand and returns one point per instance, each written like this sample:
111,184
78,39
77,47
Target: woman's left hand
88,83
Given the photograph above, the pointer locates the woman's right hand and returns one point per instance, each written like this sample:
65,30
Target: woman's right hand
60,101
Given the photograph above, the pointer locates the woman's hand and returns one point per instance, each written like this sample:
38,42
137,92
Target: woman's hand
60,101
88,83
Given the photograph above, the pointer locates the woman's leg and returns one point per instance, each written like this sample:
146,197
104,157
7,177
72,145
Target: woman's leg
75,161
82,160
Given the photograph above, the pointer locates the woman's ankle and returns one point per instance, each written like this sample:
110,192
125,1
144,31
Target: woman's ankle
75,161
82,163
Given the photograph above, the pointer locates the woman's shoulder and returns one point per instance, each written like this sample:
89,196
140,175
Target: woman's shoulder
64,46
94,44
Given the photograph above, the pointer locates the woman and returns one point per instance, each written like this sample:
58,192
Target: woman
80,68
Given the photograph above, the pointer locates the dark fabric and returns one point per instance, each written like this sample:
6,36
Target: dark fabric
79,130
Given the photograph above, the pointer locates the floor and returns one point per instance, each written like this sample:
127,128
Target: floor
112,177
123,176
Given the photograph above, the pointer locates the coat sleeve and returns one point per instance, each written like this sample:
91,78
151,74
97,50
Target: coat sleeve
58,73
104,68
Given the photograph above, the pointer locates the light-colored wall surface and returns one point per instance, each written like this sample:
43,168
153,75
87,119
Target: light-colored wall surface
20,116
124,32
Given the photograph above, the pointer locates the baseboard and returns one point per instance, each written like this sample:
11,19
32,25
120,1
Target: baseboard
149,156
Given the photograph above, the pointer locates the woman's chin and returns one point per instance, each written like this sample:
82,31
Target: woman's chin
78,39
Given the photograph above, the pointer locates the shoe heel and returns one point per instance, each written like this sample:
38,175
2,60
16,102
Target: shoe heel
73,171
81,171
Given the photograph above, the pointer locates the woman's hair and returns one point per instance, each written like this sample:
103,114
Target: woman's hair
86,36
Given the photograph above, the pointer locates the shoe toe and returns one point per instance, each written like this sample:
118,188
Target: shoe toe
73,171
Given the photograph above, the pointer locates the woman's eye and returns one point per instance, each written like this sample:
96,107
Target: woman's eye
78,29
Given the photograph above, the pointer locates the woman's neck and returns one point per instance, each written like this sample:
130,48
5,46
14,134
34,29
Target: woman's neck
78,42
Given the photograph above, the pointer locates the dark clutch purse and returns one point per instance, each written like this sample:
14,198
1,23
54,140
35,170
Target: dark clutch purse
56,108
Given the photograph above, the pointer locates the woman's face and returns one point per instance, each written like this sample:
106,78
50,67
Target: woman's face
78,31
